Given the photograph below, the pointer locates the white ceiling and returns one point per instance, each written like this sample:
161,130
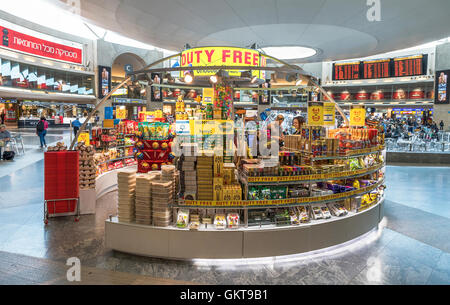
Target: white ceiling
337,29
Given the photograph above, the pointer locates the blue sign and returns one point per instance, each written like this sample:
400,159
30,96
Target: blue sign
109,113
128,68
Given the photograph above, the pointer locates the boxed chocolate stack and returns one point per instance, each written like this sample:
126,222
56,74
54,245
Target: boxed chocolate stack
162,196
205,177
189,177
126,181
143,202
86,166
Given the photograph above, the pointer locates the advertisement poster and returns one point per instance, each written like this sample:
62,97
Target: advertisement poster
121,113
441,94
315,113
357,116
156,92
329,114
264,96
104,78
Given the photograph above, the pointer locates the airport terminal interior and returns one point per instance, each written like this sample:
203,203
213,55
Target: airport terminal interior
224,142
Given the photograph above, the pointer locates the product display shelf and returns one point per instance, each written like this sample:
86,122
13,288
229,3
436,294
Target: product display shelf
264,226
117,159
303,179
276,203
353,154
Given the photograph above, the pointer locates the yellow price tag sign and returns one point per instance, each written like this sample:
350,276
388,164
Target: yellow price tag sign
84,137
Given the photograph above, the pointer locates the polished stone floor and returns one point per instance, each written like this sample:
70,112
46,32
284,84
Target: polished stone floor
413,248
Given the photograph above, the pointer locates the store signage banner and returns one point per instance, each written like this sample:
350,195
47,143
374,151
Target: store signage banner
264,96
104,79
328,114
315,113
121,113
441,90
221,56
6,68
357,116
30,42
208,96
156,92
84,137
109,113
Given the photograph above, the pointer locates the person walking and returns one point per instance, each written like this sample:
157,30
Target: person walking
76,124
3,115
41,131
441,125
5,137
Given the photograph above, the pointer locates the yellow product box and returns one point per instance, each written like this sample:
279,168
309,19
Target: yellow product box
237,192
218,192
227,193
227,173
218,166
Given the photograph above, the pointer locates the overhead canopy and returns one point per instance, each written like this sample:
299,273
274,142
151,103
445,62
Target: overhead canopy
336,29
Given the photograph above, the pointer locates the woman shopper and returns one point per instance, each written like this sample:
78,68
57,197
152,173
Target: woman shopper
41,131
297,123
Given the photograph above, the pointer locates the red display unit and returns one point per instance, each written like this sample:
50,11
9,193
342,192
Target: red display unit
61,183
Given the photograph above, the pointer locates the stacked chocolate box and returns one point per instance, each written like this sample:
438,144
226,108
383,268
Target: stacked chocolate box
126,181
189,177
205,177
162,197
143,203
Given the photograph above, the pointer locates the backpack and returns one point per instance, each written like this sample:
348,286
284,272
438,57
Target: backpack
40,126
8,155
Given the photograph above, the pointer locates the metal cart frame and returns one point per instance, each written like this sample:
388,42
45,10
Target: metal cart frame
76,213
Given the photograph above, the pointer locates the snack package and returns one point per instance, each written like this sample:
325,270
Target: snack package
253,193
182,218
220,221
325,212
233,220
294,217
303,214
317,212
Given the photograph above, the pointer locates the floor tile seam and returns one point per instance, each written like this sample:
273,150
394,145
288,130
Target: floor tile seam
419,241
422,211
434,268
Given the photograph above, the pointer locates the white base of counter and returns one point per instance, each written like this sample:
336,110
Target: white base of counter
174,243
105,183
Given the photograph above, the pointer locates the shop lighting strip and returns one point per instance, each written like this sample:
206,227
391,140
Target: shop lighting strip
316,201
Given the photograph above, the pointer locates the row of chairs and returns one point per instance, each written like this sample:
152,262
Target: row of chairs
16,140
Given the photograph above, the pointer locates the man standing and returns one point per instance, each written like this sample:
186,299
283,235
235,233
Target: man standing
5,137
76,126
441,125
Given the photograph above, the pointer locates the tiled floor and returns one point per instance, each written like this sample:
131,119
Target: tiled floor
414,248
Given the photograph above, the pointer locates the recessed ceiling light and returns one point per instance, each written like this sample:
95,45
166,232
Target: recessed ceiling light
289,52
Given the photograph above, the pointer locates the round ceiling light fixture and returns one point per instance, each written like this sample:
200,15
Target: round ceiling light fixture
289,52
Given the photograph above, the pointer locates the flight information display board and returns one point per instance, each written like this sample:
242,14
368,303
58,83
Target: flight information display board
346,71
409,66
376,69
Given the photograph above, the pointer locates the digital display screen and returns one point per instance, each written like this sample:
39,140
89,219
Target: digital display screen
376,69
346,71
441,94
409,66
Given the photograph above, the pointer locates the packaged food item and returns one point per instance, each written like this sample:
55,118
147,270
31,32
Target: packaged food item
233,220
294,216
303,214
325,212
220,221
182,218
317,212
